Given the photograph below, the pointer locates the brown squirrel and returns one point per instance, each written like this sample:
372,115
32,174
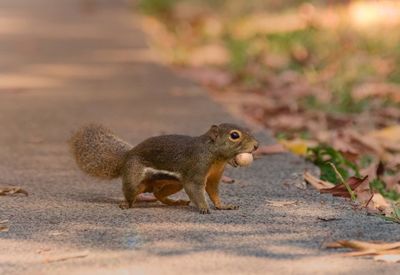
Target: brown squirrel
164,164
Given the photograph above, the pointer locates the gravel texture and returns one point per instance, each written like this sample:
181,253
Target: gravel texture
64,63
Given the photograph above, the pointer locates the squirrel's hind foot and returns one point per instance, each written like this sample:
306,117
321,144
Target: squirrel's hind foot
227,207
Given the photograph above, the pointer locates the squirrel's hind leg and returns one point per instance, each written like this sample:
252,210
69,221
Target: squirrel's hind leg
165,188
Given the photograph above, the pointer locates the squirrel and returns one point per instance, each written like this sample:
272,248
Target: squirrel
165,164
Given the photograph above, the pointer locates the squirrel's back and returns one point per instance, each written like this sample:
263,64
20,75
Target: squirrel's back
98,152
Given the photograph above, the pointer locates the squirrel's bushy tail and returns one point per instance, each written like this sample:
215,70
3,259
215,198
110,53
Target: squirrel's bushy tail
98,152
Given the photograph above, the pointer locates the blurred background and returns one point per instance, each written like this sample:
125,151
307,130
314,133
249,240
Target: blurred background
317,74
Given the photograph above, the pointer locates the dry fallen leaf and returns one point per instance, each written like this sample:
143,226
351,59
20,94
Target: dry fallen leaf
317,183
4,226
212,54
226,179
12,190
340,190
391,251
60,258
388,137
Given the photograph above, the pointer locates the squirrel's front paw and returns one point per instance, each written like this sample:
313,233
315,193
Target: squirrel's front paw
227,207
204,211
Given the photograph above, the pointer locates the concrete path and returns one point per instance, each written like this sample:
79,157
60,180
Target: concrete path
67,62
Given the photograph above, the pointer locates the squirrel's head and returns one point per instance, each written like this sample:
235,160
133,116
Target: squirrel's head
229,140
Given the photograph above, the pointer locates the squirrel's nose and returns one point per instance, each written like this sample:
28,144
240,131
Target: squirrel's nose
256,146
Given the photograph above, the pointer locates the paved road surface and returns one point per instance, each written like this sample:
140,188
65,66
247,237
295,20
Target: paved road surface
66,62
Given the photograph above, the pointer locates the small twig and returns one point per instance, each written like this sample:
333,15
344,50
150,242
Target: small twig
353,196
366,205
65,257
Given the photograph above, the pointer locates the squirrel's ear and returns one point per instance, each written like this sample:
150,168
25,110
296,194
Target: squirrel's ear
213,132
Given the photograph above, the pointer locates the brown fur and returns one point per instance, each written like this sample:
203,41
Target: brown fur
98,152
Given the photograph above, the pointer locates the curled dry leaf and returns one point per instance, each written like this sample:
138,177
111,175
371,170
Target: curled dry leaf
391,251
226,179
12,190
317,183
362,245
340,190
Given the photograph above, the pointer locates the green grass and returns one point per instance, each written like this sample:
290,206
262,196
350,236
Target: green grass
238,50
157,7
323,155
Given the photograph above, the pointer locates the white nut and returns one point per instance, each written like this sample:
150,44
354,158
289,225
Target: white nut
244,159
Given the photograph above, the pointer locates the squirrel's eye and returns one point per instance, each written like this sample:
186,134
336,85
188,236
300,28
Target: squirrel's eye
235,135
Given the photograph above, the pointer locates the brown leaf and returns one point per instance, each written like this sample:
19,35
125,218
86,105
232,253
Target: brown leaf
374,170
377,89
4,226
369,142
12,190
361,248
212,54
317,183
270,149
340,190
226,179
362,245
380,203
392,181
